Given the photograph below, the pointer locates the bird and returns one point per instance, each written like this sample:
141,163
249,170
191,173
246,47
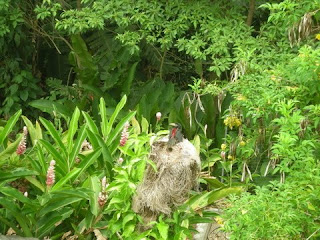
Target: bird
175,135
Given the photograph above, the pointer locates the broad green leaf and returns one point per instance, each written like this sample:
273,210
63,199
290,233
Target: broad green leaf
33,132
127,218
127,84
65,179
90,159
11,148
118,129
62,163
36,183
144,125
8,127
85,66
38,131
55,205
219,194
93,139
129,229
115,114
70,192
54,134
95,185
135,126
103,115
107,160
16,194
11,224
90,123
48,223
196,143
163,229
16,173
15,211
73,127
41,159
50,107
77,145
213,182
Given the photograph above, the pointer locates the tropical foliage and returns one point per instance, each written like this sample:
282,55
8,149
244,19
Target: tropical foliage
87,86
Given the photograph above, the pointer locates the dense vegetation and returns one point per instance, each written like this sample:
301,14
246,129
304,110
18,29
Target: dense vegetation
240,76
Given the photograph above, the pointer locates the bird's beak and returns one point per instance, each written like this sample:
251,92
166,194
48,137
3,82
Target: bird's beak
173,124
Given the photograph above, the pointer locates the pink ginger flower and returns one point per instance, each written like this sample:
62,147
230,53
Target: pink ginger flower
124,134
22,147
51,174
102,198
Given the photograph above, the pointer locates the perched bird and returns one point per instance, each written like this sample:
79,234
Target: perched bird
175,135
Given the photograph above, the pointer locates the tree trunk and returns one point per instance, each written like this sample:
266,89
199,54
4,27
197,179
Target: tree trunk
251,12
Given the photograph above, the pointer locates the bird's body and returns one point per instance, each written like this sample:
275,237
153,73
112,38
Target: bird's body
175,135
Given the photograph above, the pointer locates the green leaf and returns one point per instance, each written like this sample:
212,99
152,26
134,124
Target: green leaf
65,179
127,84
10,149
127,218
8,127
34,133
136,126
77,145
54,134
12,225
144,125
95,186
103,115
196,143
36,183
213,182
163,229
15,211
90,159
24,95
119,128
48,223
12,192
56,205
62,163
16,173
219,194
90,123
50,107
114,115
41,160
73,127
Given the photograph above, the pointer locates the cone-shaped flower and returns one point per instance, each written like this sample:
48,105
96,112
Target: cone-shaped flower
124,134
51,174
23,143
103,184
102,198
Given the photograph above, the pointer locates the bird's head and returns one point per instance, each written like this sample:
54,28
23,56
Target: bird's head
176,125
